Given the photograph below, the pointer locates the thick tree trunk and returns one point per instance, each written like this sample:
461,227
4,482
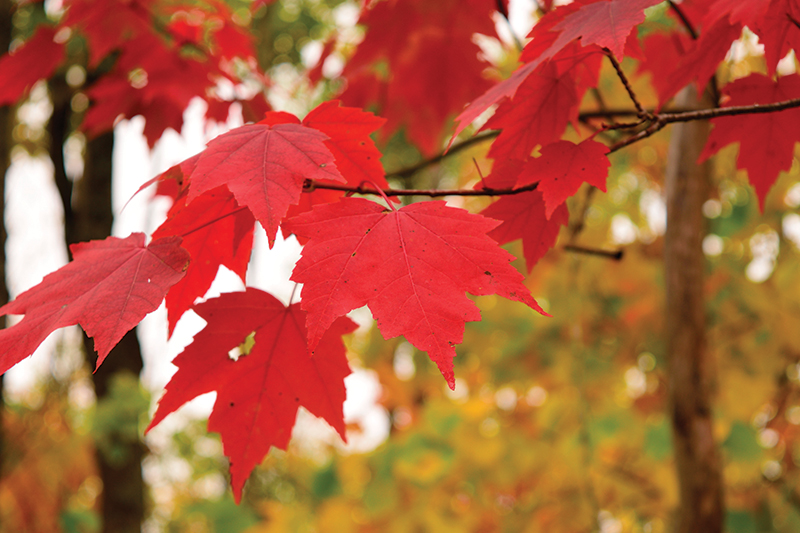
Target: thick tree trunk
696,455
6,124
123,486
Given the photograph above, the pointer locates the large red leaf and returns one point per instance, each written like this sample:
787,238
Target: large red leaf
35,60
563,167
259,393
412,267
766,140
215,232
108,288
264,166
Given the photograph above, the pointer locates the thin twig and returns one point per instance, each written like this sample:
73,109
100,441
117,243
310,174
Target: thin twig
616,255
693,33
409,171
624,79
311,185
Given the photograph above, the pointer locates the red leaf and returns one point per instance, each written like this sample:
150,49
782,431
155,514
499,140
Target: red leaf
215,232
258,394
605,23
35,60
348,130
766,141
542,107
412,268
523,217
434,65
264,167
700,63
108,25
563,167
108,288
357,158
778,31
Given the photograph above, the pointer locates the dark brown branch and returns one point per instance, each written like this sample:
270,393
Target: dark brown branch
793,20
640,112
456,148
616,255
311,185
684,19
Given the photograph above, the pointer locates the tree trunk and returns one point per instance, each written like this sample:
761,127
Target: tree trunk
123,486
696,455
6,142
88,215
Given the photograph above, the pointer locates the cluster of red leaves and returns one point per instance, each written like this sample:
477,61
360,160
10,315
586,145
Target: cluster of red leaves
162,56
411,266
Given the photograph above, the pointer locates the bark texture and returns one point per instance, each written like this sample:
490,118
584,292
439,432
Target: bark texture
690,390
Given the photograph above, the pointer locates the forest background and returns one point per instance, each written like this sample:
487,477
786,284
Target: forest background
557,424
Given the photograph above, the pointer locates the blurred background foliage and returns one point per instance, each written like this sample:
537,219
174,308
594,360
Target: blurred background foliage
556,424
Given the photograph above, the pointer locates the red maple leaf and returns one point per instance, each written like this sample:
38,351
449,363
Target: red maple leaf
259,393
434,65
412,268
357,158
264,166
108,288
563,167
604,23
215,232
546,101
523,217
766,141
778,31
35,60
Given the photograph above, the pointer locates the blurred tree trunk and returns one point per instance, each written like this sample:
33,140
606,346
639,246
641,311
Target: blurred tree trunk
6,124
88,215
696,455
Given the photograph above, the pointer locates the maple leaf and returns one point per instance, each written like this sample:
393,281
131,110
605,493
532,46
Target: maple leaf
766,141
563,167
108,288
523,217
542,106
604,23
215,232
412,267
778,32
357,158
264,166
258,394
434,65
35,60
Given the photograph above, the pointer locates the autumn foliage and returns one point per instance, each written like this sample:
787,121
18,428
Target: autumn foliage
418,67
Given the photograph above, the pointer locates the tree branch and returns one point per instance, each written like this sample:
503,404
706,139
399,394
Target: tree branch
640,112
312,185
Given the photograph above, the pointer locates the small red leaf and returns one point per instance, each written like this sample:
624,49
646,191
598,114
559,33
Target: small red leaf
35,60
215,232
108,288
766,140
264,167
412,267
563,167
523,217
258,394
